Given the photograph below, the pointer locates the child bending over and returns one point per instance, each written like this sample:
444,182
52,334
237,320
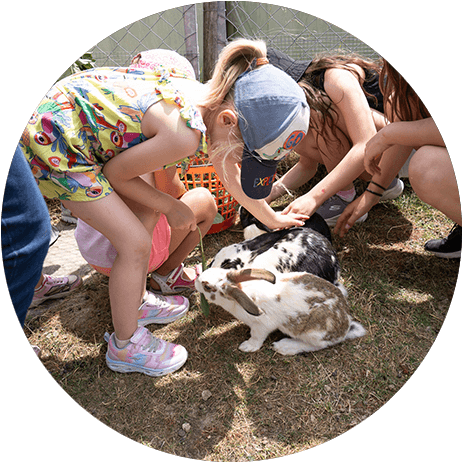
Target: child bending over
96,133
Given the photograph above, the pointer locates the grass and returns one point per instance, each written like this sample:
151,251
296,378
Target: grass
225,405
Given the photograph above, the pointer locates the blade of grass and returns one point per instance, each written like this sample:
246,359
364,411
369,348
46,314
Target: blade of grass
203,302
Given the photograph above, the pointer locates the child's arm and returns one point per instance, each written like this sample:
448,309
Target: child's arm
385,154
298,175
229,173
408,133
345,91
391,163
169,140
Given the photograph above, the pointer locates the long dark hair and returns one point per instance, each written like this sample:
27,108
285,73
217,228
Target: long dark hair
317,98
405,103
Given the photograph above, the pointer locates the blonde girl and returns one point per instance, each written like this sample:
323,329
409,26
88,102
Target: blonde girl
96,134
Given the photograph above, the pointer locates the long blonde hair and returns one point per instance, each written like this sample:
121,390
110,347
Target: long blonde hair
233,61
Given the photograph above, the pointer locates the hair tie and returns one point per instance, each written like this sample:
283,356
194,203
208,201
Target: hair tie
255,63
261,61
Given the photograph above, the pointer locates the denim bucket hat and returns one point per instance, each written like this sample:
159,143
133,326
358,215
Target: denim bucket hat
273,119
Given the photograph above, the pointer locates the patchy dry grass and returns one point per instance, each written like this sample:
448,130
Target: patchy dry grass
225,405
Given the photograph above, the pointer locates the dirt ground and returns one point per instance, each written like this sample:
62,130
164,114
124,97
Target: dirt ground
225,405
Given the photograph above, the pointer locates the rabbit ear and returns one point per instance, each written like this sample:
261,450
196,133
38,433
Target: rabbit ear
243,300
243,275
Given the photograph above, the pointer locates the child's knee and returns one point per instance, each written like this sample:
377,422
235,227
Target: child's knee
422,172
207,202
139,248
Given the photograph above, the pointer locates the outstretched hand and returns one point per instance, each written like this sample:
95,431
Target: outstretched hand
353,212
302,206
284,221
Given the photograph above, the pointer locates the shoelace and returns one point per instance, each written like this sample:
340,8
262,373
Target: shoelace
152,346
154,299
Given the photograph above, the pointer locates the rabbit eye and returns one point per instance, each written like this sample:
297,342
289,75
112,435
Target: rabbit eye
208,287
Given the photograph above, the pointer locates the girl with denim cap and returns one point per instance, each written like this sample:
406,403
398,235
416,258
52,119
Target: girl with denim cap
96,134
254,125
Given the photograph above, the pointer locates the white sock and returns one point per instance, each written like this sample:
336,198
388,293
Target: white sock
121,343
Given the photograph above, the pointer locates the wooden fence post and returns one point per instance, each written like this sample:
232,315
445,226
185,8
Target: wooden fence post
192,52
221,26
209,38
214,35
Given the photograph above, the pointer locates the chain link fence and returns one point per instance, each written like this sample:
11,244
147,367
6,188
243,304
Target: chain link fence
174,29
297,34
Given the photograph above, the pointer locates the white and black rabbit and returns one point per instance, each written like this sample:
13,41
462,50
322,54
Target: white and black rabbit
298,249
310,310
253,227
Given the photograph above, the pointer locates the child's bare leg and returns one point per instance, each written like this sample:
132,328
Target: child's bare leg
114,219
148,217
432,177
201,202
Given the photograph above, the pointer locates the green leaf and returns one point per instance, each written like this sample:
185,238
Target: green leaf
203,302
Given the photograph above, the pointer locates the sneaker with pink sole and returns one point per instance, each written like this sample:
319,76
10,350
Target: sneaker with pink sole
145,354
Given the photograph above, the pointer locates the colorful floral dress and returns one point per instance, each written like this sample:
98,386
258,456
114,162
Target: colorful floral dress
90,117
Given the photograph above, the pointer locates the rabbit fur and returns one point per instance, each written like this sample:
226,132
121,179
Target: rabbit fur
298,249
252,227
307,308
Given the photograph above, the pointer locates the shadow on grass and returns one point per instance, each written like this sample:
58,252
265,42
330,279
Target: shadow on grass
225,405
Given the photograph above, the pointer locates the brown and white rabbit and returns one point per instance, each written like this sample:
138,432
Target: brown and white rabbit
307,308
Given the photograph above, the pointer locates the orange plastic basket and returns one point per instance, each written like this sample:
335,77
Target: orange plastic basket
201,173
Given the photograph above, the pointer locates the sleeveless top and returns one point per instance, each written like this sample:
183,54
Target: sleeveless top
371,86
90,117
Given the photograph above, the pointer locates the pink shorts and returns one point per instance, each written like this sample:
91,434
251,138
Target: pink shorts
98,251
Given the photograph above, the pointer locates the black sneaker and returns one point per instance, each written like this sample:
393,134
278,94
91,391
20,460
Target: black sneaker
449,247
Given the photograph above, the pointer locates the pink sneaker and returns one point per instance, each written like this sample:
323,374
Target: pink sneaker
55,287
145,354
158,309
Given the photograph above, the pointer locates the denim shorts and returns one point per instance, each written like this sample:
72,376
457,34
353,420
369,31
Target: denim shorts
26,232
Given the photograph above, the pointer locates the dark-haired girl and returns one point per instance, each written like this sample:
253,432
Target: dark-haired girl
346,112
